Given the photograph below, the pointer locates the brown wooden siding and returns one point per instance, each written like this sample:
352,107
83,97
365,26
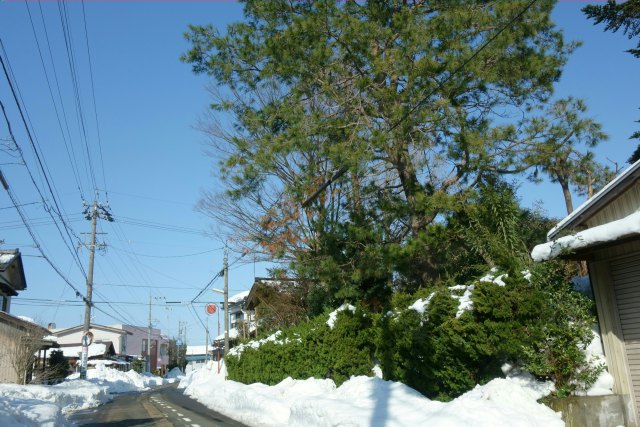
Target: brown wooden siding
7,337
625,274
624,205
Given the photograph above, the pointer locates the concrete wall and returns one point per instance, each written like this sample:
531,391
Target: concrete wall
595,411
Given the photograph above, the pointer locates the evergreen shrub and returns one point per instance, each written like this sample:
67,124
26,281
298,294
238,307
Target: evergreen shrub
539,324
310,349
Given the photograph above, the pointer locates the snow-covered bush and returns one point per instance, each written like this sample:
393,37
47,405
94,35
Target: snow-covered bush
317,348
535,321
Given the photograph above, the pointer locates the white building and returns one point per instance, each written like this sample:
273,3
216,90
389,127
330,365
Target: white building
127,340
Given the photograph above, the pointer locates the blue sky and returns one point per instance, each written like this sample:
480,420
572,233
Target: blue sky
148,104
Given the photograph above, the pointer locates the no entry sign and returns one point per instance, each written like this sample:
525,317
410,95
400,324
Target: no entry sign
211,309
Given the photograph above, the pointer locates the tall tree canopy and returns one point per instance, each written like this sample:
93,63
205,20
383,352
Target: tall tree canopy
415,99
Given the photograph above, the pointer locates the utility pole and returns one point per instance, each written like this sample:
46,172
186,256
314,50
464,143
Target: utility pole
206,340
149,339
226,303
92,213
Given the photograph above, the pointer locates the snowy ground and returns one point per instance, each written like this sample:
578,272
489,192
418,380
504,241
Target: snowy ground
368,401
45,406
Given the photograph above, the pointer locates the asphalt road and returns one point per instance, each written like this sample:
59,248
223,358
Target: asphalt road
164,406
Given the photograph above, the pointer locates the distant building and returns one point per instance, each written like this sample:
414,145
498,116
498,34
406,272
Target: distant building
197,356
239,323
126,341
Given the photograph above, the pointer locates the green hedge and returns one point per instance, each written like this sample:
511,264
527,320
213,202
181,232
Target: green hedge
310,349
540,325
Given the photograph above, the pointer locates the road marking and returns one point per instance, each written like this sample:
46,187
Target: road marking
187,420
173,410
179,414
195,425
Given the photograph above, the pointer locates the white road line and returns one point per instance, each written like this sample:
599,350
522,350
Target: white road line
179,414
187,420
195,425
173,410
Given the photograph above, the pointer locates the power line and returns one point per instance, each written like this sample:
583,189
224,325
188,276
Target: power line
66,30
39,247
64,113
161,226
74,254
165,256
55,106
219,274
95,108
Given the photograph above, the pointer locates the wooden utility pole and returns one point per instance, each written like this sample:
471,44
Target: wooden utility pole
92,213
226,303
149,338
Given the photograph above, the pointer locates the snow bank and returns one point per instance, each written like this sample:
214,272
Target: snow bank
334,314
174,373
120,382
609,232
595,356
39,405
366,401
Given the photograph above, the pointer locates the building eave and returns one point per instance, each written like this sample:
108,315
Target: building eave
601,199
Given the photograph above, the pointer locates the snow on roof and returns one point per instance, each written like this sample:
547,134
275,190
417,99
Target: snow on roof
609,191
26,319
7,257
73,351
196,349
610,232
234,299
233,332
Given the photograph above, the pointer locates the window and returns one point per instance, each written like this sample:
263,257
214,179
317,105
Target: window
145,346
4,302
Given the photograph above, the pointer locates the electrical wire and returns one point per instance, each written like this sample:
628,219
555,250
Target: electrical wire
55,105
95,108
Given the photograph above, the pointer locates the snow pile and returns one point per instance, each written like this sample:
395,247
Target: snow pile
334,314
595,356
609,232
174,373
421,305
120,382
38,405
366,401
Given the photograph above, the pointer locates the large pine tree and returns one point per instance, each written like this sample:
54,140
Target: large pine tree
415,99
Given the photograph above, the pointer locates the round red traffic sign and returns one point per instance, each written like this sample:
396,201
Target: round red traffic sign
211,309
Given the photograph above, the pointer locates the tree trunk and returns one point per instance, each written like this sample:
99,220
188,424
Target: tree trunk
567,195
